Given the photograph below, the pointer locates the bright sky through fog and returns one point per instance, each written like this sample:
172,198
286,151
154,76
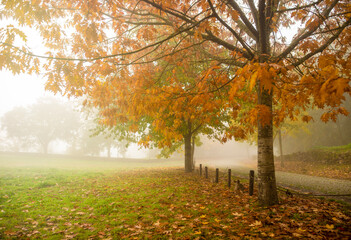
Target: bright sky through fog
19,90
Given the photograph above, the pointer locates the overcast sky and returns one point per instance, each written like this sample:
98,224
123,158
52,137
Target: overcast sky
19,90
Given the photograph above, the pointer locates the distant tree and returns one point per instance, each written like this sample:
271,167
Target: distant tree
16,133
94,139
122,147
41,123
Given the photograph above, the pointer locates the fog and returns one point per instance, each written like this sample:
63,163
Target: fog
25,91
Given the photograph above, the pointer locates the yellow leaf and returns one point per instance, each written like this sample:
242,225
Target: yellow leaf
331,226
253,79
256,224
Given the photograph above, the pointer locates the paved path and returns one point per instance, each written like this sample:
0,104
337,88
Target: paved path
298,182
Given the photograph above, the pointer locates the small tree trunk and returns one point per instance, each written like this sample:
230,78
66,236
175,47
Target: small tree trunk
45,146
187,150
281,148
192,152
109,151
342,141
267,190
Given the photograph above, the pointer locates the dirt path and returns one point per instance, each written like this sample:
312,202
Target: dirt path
298,182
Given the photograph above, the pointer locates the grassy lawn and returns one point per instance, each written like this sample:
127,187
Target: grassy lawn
67,198
343,148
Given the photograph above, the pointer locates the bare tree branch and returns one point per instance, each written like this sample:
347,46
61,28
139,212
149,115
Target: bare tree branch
307,31
298,7
254,11
159,7
225,44
242,42
325,45
243,17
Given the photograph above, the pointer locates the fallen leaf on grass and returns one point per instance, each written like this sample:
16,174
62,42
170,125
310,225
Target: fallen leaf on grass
256,224
237,214
331,226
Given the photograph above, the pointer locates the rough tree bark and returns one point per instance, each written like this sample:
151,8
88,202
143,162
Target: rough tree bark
267,191
187,150
192,152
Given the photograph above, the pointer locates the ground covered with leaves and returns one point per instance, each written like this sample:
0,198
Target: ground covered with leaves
156,203
335,171
325,162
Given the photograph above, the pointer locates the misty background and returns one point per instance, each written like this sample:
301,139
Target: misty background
26,126
34,120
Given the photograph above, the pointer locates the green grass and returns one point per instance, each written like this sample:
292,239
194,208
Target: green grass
68,198
343,148
62,197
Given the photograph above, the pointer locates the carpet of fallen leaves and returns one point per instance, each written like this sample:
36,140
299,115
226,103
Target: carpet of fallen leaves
163,203
336,171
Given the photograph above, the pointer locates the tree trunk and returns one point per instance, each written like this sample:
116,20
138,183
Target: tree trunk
45,146
192,153
281,148
267,191
109,151
187,150
342,142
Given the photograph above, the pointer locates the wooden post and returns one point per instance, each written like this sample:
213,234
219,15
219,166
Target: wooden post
217,175
229,177
206,172
200,169
252,179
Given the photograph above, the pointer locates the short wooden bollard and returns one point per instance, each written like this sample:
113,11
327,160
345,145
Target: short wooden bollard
200,169
252,179
206,172
217,175
229,177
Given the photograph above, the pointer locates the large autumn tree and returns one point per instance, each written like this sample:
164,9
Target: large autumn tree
166,108
285,55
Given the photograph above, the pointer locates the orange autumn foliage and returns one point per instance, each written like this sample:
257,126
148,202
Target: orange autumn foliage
121,55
